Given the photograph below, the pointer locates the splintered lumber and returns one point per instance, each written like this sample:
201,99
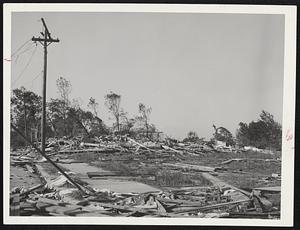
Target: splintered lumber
256,215
231,160
209,207
95,150
180,202
32,189
66,210
169,148
219,183
48,159
100,174
29,168
21,163
141,145
191,167
51,201
96,213
275,189
135,209
189,188
89,144
263,202
15,205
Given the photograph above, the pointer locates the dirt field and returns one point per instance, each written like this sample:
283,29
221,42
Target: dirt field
20,177
253,171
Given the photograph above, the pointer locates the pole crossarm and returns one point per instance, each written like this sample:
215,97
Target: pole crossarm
44,40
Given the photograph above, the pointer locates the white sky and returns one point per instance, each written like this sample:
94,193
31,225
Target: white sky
192,69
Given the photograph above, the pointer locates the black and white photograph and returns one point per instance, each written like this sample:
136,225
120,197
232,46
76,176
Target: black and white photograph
182,114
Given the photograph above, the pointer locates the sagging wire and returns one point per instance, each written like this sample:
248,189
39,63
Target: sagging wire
26,66
36,77
32,45
15,52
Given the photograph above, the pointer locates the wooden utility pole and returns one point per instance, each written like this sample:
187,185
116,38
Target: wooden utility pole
45,41
25,115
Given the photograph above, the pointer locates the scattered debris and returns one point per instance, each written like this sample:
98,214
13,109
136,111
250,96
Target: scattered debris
60,192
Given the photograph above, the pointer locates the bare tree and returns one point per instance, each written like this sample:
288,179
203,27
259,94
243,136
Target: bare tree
64,88
93,105
126,123
145,116
112,101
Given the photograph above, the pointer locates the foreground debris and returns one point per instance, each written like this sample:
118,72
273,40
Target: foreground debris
58,198
66,194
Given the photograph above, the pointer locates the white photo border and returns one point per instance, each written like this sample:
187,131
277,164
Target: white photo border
288,123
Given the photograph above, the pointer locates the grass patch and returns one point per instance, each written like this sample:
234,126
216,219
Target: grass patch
168,178
86,157
114,166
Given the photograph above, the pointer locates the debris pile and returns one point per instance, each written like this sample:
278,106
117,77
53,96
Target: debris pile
193,202
66,194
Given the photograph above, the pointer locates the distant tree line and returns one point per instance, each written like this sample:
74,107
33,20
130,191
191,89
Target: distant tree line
67,118
265,133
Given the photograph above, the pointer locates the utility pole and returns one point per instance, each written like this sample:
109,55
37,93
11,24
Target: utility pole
45,41
25,115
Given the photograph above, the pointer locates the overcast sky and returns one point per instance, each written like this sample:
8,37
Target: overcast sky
194,70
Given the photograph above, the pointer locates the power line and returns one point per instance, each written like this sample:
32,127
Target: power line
36,77
20,48
24,51
29,61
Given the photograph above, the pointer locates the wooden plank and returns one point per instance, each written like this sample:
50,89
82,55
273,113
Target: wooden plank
169,148
15,205
209,207
275,189
67,210
263,202
254,215
32,189
141,145
187,188
29,168
231,160
219,183
191,167
51,201
96,150
101,174
180,202
134,209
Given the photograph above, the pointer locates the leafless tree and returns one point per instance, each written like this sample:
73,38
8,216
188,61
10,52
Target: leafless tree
112,101
145,116
93,105
64,88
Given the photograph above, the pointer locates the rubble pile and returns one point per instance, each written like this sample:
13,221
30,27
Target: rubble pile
193,202
57,195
